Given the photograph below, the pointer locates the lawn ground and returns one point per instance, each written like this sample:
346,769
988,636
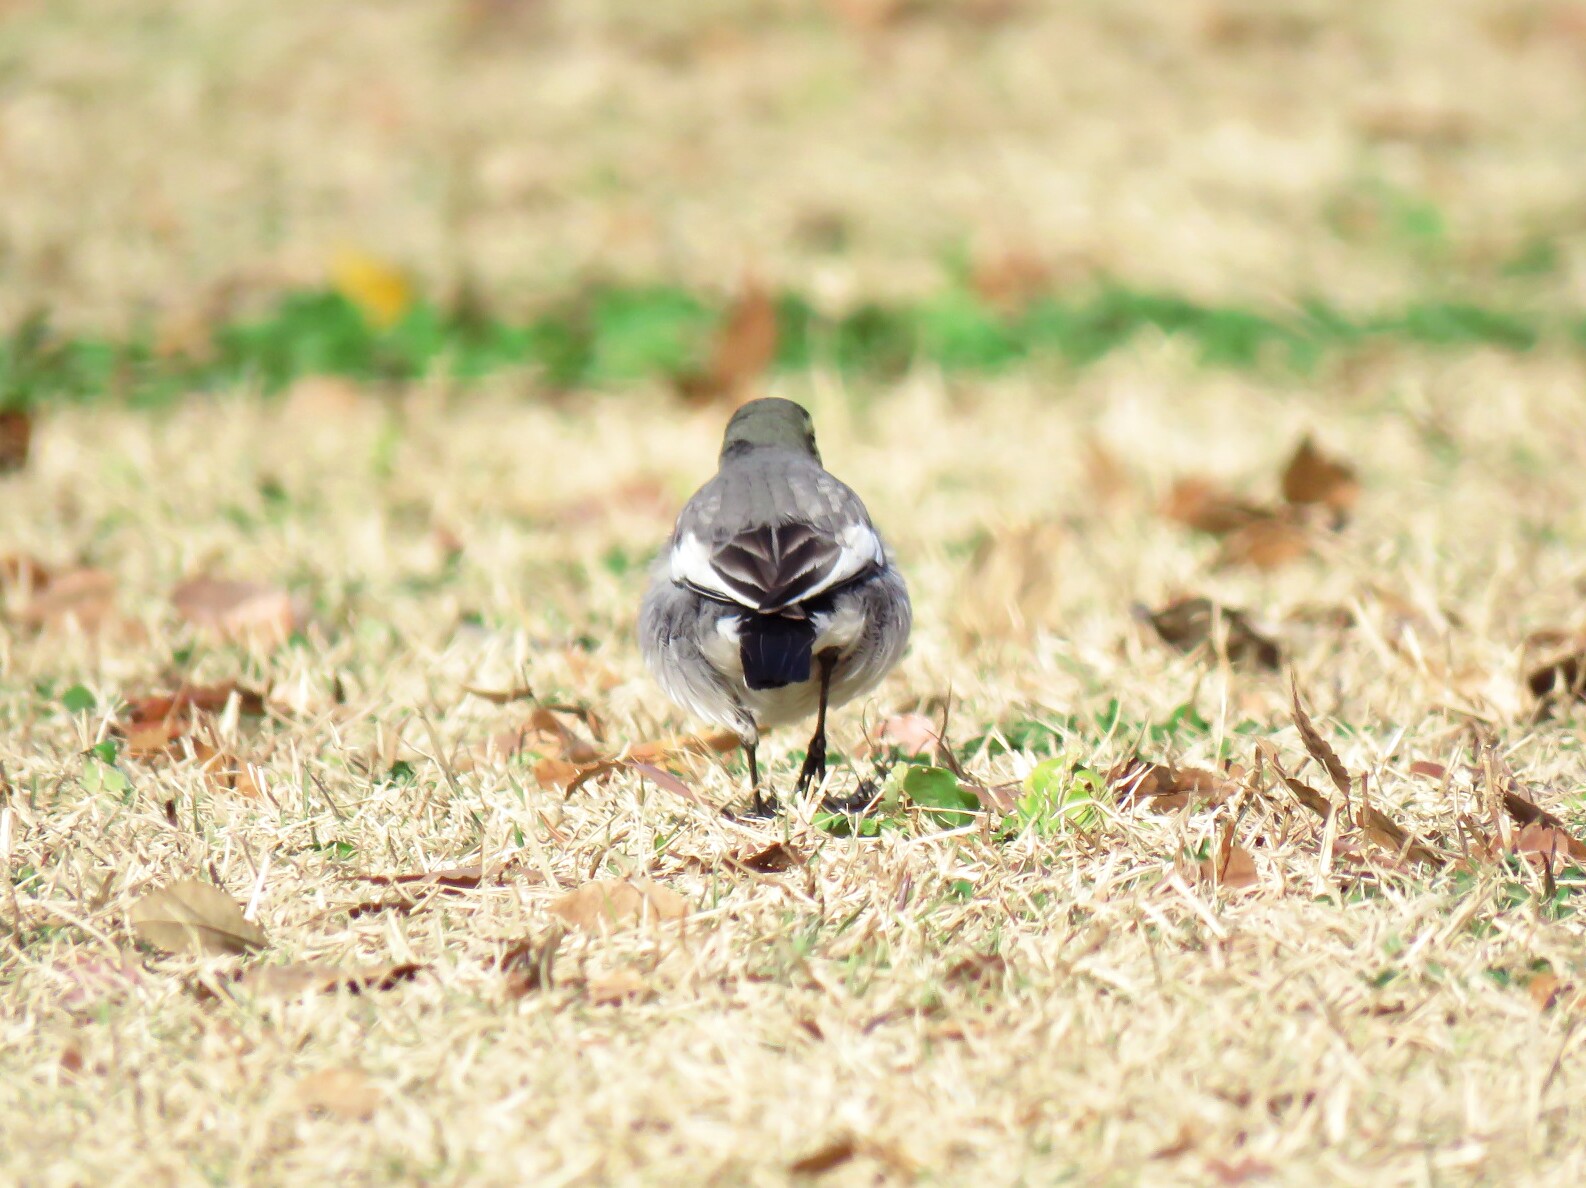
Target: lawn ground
1027,985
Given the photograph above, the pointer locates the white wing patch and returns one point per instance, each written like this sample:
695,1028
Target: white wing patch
769,569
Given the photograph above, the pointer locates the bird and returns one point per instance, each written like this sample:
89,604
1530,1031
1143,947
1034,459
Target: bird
775,597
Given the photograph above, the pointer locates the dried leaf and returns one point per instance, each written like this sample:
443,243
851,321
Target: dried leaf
1136,782
910,734
92,978
561,776
827,1157
609,904
529,966
341,1092
1308,796
190,916
501,697
1311,477
1562,675
1202,505
625,985
1545,990
547,735
237,610
745,347
1424,767
84,597
456,878
1233,1173
667,749
1009,281
1191,622
300,978
1232,866
1552,840
16,439
773,859
19,569
666,780
1382,830
1318,746
1265,544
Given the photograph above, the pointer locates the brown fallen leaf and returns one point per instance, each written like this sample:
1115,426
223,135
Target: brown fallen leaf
1240,1171
341,1092
1311,477
1317,746
530,966
79,597
1136,782
300,978
190,916
153,724
909,734
1561,676
546,734
745,347
1545,990
16,439
624,985
667,749
1008,281
1308,796
664,779
244,611
610,904
1425,767
829,1156
773,859
455,878
21,570
1537,837
1265,544
1381,830
92,978
1204,506
559,775
1190,623
1231,866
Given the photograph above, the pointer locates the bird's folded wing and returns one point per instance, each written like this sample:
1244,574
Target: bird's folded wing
771,567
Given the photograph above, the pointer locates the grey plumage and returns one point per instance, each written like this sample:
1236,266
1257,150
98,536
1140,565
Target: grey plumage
775,596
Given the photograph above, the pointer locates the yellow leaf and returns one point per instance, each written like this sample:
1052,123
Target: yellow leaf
379,289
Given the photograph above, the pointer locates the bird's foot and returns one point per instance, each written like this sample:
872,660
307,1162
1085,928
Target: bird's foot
763,807
814,769
853,804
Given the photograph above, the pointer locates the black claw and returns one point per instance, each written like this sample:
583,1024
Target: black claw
761,808
814,769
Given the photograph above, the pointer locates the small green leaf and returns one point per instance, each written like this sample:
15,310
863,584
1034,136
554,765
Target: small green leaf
937,791
1059,792
103,777
78,700
104,751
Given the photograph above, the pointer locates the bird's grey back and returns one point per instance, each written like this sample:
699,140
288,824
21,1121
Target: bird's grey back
769,487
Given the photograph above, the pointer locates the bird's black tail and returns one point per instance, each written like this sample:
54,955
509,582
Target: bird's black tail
775,651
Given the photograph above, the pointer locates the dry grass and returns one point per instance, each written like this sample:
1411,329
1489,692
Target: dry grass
159,157
1338,1019
930,1005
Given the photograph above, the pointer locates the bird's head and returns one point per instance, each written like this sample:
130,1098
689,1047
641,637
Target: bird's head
771,423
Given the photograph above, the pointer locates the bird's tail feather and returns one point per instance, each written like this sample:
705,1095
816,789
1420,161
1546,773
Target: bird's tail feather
775,651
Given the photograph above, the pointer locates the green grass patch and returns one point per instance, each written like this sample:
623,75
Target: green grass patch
612,336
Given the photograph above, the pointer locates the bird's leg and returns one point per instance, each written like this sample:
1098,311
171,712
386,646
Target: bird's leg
814,769
759,809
